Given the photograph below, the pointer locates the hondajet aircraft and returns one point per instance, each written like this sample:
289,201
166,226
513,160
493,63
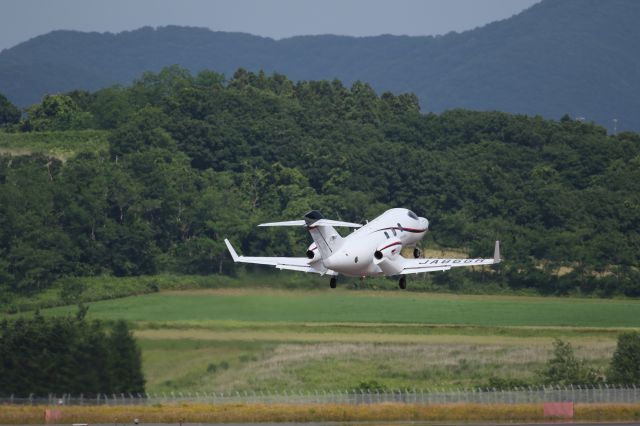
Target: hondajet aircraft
372,250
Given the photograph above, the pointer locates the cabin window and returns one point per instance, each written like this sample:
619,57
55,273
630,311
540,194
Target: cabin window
400,227
386,235
394,231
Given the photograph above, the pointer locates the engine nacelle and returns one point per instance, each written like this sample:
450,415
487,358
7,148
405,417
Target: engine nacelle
390,249
312,251
387,257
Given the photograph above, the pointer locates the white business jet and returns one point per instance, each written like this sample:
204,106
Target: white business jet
372,250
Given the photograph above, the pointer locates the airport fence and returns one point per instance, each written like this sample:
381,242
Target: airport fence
606,394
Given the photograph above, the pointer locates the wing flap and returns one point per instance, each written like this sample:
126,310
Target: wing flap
419,269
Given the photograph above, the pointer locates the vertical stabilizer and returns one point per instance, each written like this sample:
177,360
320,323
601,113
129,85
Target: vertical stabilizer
326,237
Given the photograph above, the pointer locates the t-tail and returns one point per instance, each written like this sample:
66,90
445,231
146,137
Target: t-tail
322,231
324,235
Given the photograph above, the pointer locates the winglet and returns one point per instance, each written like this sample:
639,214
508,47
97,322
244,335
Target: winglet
234,255
496,253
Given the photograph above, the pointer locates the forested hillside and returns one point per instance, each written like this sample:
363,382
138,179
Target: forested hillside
194,158
572,56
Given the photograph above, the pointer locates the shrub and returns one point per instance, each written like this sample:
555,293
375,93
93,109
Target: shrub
625,364
565,369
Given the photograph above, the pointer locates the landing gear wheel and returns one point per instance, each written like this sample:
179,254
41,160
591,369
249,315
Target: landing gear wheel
333,282
417,253
402,283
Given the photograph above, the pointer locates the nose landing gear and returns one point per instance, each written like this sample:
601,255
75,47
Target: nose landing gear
417,253
403,282
333,282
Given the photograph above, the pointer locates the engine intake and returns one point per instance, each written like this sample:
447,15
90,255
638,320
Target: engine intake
389,250
387,257
311,251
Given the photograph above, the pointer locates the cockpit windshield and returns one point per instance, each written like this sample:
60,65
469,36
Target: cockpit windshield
412,215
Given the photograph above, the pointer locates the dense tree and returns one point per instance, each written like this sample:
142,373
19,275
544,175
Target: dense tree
195,159
125,363
9,113
625,364
57,112
64,355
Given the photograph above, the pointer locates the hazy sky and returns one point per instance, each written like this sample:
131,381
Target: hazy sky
21,20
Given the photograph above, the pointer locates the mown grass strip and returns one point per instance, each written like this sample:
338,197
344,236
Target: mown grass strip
366,307
268,413
337,336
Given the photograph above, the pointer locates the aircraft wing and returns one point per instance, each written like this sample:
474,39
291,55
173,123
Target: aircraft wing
417,266
301,264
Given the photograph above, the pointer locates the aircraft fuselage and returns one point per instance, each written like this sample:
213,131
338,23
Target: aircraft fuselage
386,235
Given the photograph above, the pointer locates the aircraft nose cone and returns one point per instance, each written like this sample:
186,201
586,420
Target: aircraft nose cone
424,223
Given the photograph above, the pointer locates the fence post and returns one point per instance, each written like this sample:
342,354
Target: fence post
573,395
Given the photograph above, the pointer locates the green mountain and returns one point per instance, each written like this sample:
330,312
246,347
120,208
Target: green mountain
573,56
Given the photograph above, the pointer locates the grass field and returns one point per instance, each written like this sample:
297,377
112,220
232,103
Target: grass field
366,307
266,339
62,145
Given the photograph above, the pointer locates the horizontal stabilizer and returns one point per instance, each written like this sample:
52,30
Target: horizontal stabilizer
288,223
329,222
320,222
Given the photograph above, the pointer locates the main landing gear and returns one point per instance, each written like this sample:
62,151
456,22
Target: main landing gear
403,282
333,282
417,253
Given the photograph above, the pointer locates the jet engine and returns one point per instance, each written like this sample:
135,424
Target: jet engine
312,251
387,257
390,249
